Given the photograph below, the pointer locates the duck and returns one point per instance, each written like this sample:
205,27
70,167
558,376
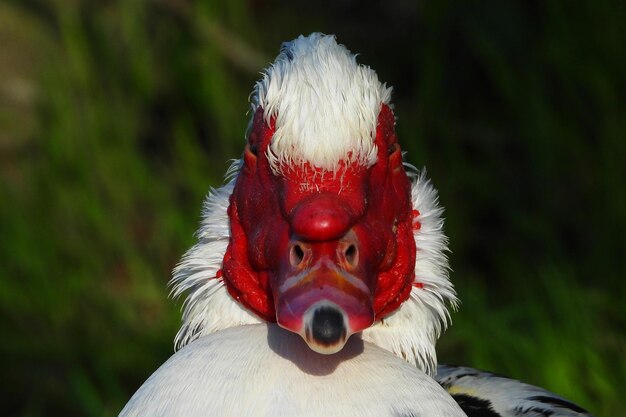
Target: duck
319,283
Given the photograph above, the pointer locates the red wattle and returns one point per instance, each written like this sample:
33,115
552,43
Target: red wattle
268,210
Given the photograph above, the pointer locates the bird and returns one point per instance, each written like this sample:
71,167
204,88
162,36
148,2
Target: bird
319,283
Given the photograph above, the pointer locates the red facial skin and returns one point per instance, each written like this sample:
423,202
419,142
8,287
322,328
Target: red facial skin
369,208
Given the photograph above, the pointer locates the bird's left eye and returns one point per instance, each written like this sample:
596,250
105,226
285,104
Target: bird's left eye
254,149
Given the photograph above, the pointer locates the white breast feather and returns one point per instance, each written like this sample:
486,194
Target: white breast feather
325,104
231,373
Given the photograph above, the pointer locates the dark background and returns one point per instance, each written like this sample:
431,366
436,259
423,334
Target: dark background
116,117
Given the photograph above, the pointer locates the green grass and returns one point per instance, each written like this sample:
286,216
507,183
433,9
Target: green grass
116,117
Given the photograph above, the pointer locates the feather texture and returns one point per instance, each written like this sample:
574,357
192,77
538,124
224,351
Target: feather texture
325,105
263,370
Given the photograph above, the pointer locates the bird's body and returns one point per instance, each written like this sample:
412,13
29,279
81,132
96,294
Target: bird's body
263,370
325,231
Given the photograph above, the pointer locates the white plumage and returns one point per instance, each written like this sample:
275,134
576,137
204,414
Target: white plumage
263,370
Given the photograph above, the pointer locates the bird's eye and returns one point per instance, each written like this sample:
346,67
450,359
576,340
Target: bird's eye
250,152
392,148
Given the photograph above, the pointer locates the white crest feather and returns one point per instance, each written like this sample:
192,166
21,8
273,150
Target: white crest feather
325,104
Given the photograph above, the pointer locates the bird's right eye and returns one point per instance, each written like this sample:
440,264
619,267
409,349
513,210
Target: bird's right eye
251,150
249,156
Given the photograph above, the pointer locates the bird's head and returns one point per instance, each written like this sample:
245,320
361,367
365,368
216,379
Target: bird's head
323,250
321,229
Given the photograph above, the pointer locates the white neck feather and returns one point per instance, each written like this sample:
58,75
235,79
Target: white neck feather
410,333
325,104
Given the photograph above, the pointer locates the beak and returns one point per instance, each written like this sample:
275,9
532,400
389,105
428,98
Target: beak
324,305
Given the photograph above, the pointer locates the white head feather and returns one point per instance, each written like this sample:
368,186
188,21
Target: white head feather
325,104
304,64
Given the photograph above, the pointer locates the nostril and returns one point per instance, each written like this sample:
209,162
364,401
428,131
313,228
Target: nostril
296,255
352,255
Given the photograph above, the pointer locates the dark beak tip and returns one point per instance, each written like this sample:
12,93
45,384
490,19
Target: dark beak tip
327,326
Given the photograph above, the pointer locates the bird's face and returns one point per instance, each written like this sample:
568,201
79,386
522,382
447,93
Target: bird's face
324,253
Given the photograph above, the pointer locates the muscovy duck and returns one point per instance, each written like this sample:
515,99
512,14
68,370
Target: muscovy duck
319,284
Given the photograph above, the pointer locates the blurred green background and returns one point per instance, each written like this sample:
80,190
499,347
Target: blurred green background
116,117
